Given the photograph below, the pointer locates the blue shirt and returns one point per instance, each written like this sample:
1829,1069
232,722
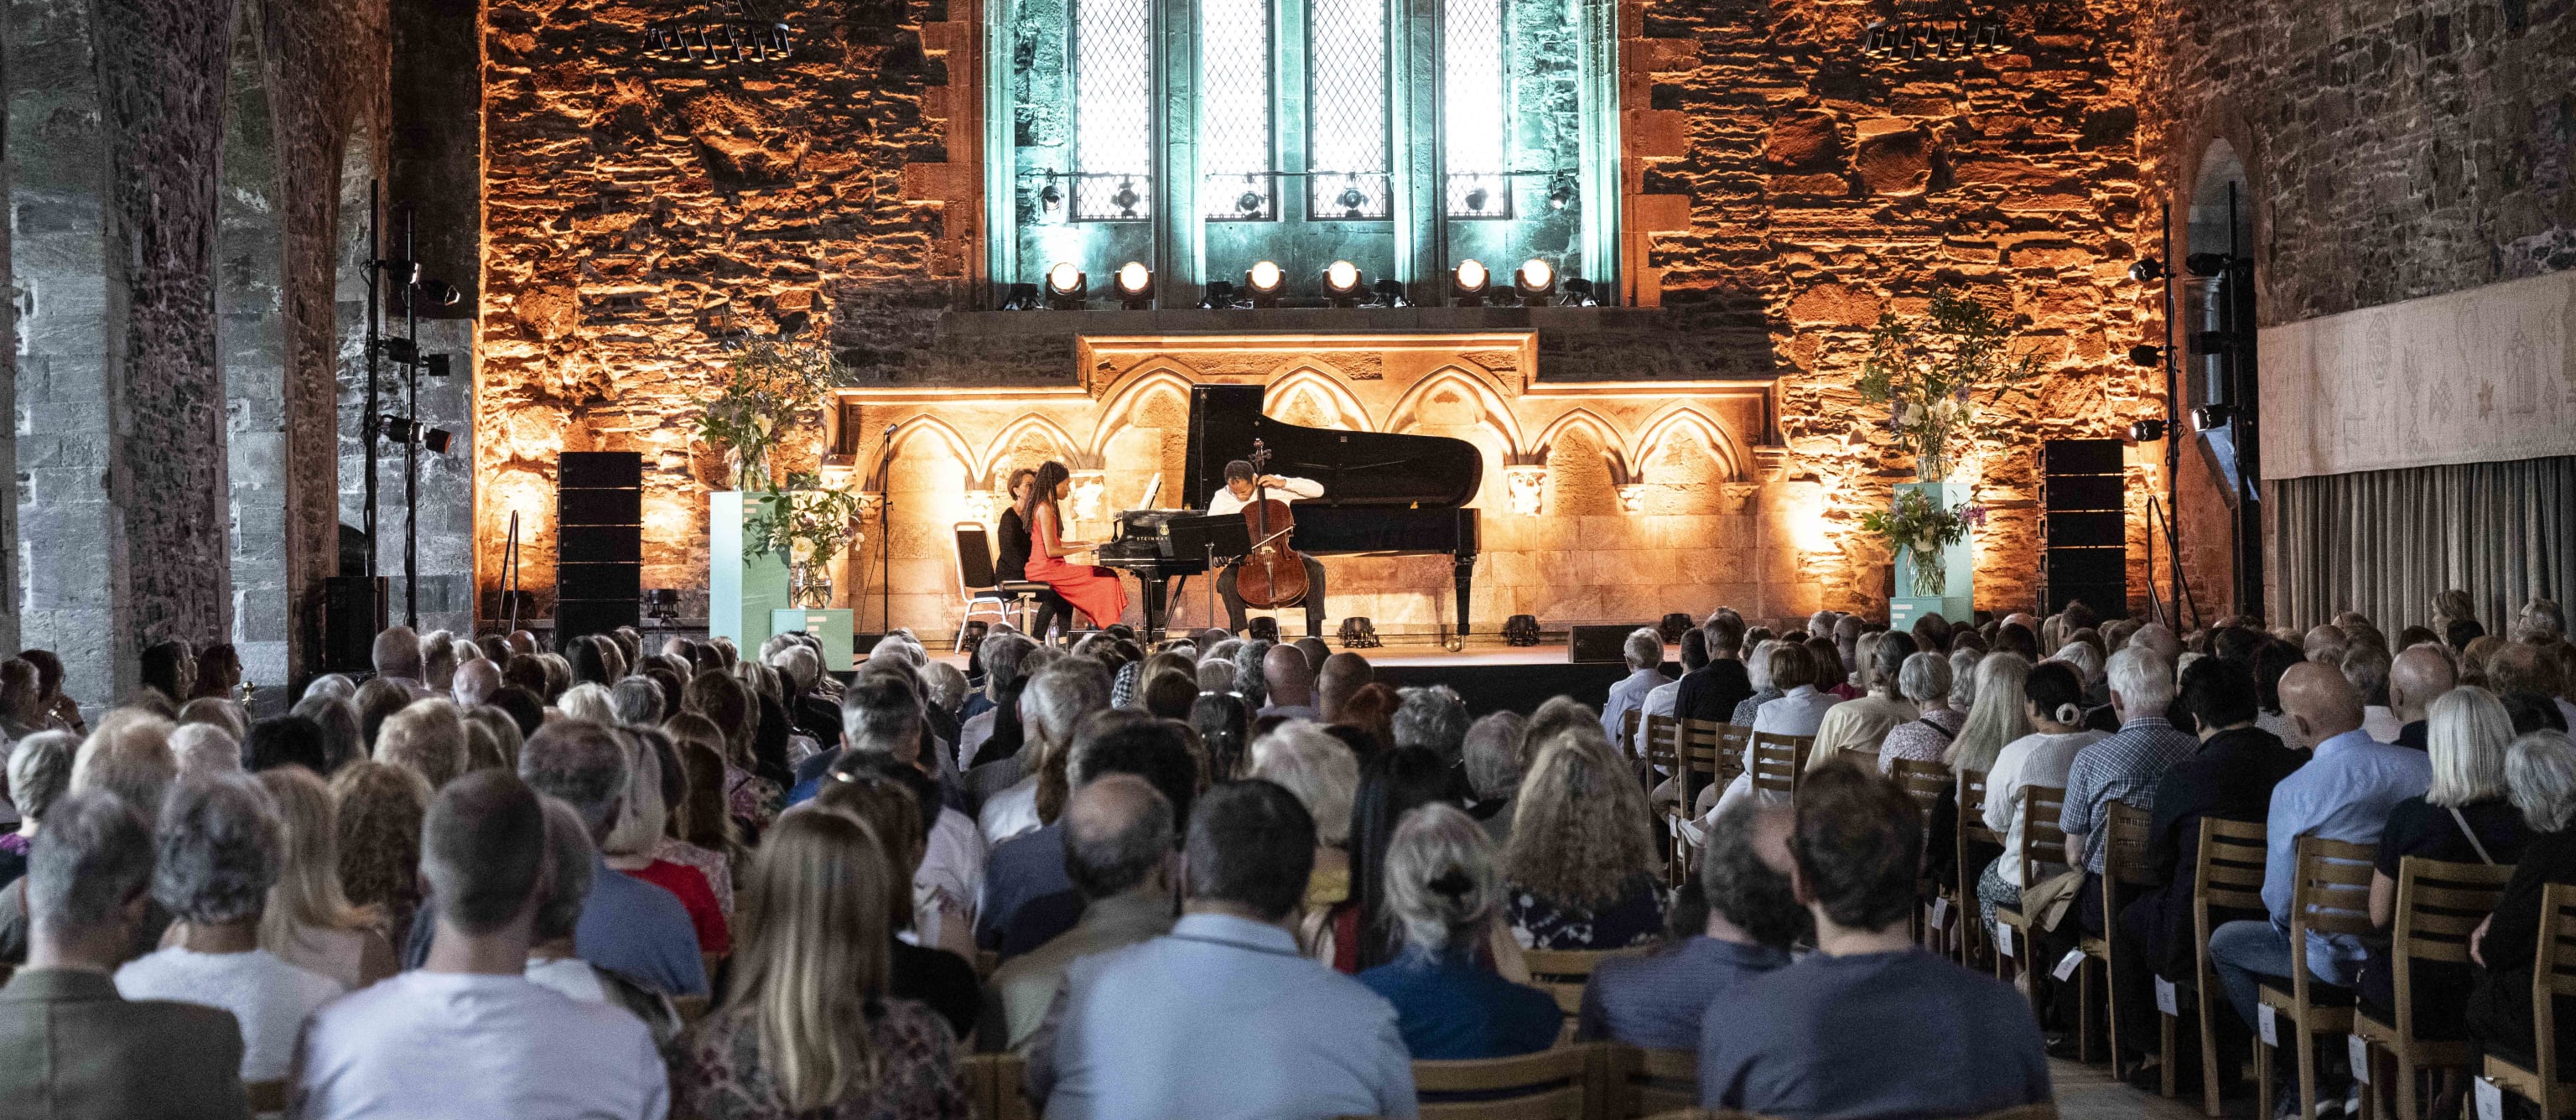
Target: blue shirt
2343,793
631,926
1024,867
1889,1036
1449,1007
2124,767
1657,1000
1221,1019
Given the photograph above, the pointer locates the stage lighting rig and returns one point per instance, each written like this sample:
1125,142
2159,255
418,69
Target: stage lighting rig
1535,279
1220,296
1266,282
2147,431
1470,282
2146,356
403,430
1390,293
2147,270
1343,284
1577,292
1135,284
1067,286
720,35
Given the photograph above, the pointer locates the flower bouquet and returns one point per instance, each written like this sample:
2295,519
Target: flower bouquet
1919,527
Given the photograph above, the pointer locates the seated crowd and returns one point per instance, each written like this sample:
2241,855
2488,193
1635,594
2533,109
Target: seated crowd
1217,877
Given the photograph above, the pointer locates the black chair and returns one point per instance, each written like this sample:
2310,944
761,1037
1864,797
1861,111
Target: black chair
985,592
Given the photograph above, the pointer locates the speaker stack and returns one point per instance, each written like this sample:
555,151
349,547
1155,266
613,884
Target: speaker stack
599,542
2084,530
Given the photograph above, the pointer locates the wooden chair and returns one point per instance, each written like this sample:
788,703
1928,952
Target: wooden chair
1972,830
1558,1084
2438,905
1778,762
1644,1082
1702,766
1564,972
1927,783
1734,750
1628,728
2553,977
1663,752
2226,884
995,1086
266,1097
2331,896
2041,807
2126,867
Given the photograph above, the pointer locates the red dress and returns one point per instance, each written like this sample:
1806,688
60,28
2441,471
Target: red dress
699,899
1094,591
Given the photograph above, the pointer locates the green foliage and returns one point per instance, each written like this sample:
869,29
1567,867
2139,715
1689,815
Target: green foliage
1930,371
805,523
1918,525
769,388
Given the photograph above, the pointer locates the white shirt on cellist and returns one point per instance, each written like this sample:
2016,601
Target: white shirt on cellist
1288,490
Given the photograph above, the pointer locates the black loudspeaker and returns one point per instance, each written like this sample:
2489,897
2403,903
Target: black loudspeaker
1520,630
2084,526
1674,626
599,542
353,611
1599,645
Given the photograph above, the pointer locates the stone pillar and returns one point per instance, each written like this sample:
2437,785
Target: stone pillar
251,335
9,605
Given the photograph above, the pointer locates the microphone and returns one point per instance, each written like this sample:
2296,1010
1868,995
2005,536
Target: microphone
889,432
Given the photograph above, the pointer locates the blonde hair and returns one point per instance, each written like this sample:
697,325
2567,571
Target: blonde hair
307,892
1321,770
1441,885
814,956
1851,728
2467,735
428,738
642,814
1997,718
380,809
129,755
500,729
1579,831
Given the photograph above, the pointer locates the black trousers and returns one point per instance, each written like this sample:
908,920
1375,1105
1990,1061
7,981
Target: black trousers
1234,620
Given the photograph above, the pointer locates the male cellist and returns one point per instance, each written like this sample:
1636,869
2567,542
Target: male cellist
1240,486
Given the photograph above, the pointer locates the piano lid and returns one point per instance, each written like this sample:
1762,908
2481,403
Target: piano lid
1356,468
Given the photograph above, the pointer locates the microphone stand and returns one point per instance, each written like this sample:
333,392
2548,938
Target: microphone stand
885,531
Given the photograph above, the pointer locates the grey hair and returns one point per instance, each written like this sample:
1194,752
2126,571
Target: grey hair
1963,679
582,763
219,849
1644,648
334,685
944,684
2466,733
801,664
2540,619
635,702
1308,762
1757,665
1001,655
1105,863
2540,777
643,815
93,856
1432,717
204,748
568,852
2143,680
1441,885
1216,676
2086,660
587,701
1925,677
40,768
902,646
1250,682
1221,651
1492,750
340,728
1060,697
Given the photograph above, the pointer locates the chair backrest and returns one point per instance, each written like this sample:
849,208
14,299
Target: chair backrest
1703,753
1548,1085
994,1088
2128,829
2553,974
1972,810
2438,905
1649,1082
975,558
1778,760
2041,808
1628,728
2226,874
1926,782
1564,972
2331,895
1734,749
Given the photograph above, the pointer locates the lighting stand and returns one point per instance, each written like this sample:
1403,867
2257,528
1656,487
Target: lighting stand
411,446
368,423
885,534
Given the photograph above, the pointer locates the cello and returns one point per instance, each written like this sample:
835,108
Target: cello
1274,575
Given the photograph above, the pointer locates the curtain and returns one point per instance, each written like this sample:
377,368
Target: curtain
2385,542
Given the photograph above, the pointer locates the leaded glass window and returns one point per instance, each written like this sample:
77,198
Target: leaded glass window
1235,151
1346,109
1113,106
1477,128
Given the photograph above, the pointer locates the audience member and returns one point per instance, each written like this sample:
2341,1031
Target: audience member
77,1048
1362,933
1580,867
1054,703
1658,1000
1925,681
1288,684
1029,894
503,1045
1224,728
1324,776
1224,1018
396,655
308,921
1660,699
1118,840
2366,668
1713,692
475,682
1998,715
204,748
288,740
2123,767
928,966
1868,1025
2540,775
2416,678
627,924
1341,677
1644,653
633,842
39,772
1443,896
1491,759
2053,708
552,962
218,855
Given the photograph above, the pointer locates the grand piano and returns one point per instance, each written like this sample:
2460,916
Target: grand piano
1384,494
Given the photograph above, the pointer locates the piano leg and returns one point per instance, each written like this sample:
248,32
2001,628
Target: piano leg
1465,569
1152,589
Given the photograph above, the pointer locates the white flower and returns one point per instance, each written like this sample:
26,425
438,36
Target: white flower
1912,417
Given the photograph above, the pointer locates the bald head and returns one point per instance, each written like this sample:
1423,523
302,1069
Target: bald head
2321,704
1292,683
1344,674
1117,829
2415,679
475,682
2156,637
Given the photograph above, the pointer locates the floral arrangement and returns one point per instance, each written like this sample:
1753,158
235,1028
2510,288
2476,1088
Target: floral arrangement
1931,371
809,525
1923,527
770,386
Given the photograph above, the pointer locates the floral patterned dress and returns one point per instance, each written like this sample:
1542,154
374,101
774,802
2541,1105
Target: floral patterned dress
716,1072
1635,918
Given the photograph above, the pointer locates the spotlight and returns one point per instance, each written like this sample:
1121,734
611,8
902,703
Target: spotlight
2211,417
1469,282
1067,286
1264,280
2147,431
1020,297
1050,196
1135,286
2148,270
402,430
1561,194
1534,279
1220,296
2147,356
1343,284
1578,293
1390,293
2206,265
